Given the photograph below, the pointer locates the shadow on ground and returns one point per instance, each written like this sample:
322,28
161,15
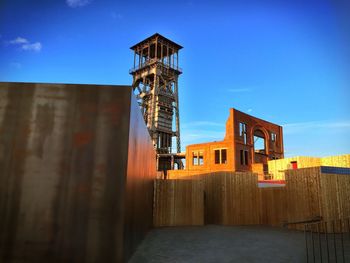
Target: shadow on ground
221,244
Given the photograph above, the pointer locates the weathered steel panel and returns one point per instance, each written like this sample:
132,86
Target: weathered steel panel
140,177
63,166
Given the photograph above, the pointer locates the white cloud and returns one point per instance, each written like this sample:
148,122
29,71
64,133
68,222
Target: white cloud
249,110
78,3
19,40
240,90
300,127
25,44
34,46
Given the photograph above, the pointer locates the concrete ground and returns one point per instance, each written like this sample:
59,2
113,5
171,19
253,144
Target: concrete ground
221,244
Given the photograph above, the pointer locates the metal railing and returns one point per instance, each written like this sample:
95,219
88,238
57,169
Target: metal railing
325,241
151,61
328,241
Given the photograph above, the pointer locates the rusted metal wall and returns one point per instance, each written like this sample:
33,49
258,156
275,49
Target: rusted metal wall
63,173
141,173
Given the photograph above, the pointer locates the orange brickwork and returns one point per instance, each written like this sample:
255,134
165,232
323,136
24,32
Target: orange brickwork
237,151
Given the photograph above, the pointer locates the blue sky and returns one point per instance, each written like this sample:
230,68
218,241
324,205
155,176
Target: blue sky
284,61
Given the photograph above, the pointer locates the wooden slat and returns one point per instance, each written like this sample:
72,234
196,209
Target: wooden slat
178,202
336,161
233,198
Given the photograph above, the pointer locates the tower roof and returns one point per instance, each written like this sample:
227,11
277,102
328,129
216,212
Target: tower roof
155,36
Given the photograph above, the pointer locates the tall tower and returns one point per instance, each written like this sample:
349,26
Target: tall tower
155,80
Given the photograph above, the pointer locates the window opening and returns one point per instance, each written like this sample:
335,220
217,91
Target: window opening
220,156
197,158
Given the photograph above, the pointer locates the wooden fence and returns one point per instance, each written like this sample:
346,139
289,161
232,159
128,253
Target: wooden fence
228,198
224,198
273,206
178,202
240,198
311,193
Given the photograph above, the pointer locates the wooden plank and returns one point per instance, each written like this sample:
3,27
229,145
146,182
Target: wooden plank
273,206
336,161
233,198
178,202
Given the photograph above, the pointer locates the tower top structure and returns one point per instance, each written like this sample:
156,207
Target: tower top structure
156,48
159,37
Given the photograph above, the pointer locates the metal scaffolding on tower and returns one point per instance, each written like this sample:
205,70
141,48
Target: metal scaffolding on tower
155,81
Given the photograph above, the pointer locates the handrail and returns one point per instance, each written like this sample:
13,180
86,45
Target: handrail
327,240
312,220
151,61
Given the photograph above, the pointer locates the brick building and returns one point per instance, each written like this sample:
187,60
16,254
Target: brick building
248,145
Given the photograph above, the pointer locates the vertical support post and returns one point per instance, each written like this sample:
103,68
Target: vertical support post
177,116
342,239
319,240
140,57
159,140
154,102
169,57
334,242
167,46
313,243
149,51
134,59
156,50
172,162
173,60
177,60
306,245
169,143
326,234
161,53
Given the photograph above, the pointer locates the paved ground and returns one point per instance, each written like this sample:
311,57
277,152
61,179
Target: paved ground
221,244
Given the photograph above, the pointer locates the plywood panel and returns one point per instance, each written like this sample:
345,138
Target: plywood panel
273,206
343,197
303,194
335,196
311,193
240,199
229,198
178,202
277,167
336,161
234,198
